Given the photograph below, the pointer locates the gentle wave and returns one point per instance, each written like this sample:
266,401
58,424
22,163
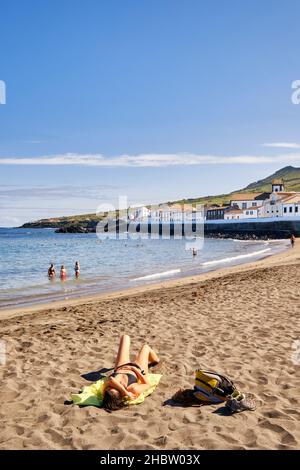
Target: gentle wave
107,267
234,258
265,242
235,240
157,275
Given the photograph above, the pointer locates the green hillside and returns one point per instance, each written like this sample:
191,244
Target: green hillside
290,174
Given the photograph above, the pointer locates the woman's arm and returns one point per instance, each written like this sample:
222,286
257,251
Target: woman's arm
113,383
137,389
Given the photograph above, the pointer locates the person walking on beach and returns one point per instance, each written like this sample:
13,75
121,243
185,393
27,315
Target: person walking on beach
63,273
77,269
293,239
194,251
129,379
51,271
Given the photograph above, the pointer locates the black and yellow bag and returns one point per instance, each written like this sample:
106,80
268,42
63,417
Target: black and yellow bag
212,387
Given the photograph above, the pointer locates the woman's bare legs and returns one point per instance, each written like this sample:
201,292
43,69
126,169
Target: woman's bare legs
123,356
145,356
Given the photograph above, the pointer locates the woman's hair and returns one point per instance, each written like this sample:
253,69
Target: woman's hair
112,400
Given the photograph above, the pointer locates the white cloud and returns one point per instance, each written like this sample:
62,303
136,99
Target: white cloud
282,145
54,192
148,160
34,141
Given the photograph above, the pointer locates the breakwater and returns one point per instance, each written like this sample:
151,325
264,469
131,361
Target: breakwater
241,229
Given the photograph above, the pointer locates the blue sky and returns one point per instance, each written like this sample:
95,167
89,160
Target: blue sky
154,99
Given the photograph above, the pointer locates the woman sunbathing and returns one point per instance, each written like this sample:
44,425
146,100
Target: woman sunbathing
129,379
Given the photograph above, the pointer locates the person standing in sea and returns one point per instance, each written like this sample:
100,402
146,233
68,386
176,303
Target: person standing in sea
51,271
63,273
77,269
293,239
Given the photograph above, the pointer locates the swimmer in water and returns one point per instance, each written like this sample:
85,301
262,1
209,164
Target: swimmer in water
77,269
63,273
51,271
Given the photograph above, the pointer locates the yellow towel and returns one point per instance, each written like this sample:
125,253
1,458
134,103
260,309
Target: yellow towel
92,395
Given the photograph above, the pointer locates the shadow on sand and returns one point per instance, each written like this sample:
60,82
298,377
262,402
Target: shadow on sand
96,375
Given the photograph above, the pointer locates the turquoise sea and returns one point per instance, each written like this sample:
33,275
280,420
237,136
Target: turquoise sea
106,265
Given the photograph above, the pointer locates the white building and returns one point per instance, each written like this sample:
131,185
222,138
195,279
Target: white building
197,215
252,212
177,213
291,205
138,213
246,200
277,203
234,213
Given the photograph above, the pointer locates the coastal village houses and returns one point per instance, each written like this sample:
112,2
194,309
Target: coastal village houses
250,205
277,203
166,214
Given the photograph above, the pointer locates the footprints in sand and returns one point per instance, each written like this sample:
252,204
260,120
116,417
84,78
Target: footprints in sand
205,325
285,437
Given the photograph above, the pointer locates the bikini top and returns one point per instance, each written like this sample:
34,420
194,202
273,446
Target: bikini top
131,376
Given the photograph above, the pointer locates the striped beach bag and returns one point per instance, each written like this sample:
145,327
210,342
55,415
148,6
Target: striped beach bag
212,387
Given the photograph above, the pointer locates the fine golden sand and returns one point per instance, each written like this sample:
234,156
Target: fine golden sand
241,321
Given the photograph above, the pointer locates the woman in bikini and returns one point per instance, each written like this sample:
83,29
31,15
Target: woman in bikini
63,273
129,379
51,272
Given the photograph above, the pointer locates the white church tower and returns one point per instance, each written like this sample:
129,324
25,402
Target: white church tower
277,185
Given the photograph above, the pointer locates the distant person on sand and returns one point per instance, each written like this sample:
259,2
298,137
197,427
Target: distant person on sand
194,251
77,269
293,239
63,273
51,271
129,379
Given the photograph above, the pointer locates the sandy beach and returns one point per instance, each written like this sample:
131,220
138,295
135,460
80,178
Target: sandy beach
241,321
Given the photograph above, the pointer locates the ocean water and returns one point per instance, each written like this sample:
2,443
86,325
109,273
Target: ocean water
106,265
